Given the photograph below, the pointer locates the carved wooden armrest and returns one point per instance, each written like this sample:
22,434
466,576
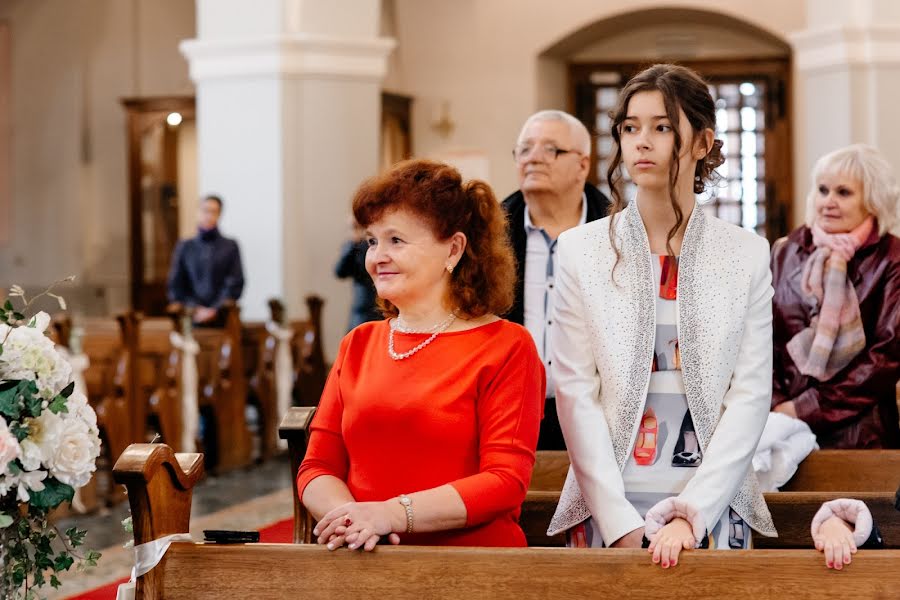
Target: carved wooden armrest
160,485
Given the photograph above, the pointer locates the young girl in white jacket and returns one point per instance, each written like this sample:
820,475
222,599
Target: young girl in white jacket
663,326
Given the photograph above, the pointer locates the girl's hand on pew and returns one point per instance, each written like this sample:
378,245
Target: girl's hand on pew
835,539
674,537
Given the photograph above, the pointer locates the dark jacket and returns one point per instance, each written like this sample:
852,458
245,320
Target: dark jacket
857,407
597,207
206,271
352,264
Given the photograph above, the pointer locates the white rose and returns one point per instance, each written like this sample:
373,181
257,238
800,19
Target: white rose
78,408
32,455
43,437
72,460
9,446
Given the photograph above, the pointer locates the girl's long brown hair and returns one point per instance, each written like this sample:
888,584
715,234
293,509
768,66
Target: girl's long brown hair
681,88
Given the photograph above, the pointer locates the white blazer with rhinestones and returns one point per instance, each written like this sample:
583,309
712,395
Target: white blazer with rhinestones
604,338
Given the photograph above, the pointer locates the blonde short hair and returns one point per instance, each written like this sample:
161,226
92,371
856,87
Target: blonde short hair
881,195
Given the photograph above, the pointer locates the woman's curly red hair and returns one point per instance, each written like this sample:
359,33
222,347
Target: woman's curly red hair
484,279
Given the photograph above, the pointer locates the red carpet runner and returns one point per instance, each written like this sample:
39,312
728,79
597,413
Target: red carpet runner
276,533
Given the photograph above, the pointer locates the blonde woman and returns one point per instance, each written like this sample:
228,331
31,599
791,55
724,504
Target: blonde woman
837,289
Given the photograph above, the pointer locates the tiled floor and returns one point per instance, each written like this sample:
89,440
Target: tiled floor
244,499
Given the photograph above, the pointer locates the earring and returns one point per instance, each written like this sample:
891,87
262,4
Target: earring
450,269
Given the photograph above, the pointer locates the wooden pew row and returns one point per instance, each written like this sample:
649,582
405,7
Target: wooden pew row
309,368
157,378
822,471
791,511
160,484
222,387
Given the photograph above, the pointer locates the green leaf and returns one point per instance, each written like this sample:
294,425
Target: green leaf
54,582
9,399
92,558
76,536
1,349
63,562
33,405
8,305
18,316
54,493
14,468
5,521
58,405
67,391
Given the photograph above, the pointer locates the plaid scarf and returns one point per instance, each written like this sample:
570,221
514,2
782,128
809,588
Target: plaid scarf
835,335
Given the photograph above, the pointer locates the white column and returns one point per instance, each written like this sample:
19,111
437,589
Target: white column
288,118
847,82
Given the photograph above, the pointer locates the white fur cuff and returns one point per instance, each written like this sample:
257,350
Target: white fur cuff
670,508
853,512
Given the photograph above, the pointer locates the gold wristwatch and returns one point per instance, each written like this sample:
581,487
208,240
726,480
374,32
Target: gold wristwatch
406,501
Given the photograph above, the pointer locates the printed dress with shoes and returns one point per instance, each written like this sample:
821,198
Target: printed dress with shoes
666,451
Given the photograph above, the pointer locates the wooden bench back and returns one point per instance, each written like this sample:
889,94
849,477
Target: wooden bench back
310,369
273,571
791,511
823,470
157,378
102,342
159,490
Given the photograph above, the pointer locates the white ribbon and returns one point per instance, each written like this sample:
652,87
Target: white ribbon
284,370
147,556
190,410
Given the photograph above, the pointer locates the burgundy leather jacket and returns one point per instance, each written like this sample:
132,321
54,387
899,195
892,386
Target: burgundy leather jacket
857,408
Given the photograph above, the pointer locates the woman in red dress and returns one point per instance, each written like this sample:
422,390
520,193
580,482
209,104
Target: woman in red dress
427,427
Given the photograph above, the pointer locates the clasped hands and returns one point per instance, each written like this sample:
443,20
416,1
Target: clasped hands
361,525
665,545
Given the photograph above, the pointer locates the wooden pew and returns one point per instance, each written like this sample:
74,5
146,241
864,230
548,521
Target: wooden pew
791,511
157,378
310,369
223,388
258,348
869,480
159,490
822,471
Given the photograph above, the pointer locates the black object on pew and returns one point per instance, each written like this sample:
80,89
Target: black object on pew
897,499
224,536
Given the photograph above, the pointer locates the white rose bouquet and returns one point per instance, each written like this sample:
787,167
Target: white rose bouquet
49,444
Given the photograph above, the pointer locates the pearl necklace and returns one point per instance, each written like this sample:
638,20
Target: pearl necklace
396,325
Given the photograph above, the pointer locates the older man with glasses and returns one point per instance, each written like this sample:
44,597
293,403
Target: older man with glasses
552,156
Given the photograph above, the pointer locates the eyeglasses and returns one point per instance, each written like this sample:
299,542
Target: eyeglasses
523,152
